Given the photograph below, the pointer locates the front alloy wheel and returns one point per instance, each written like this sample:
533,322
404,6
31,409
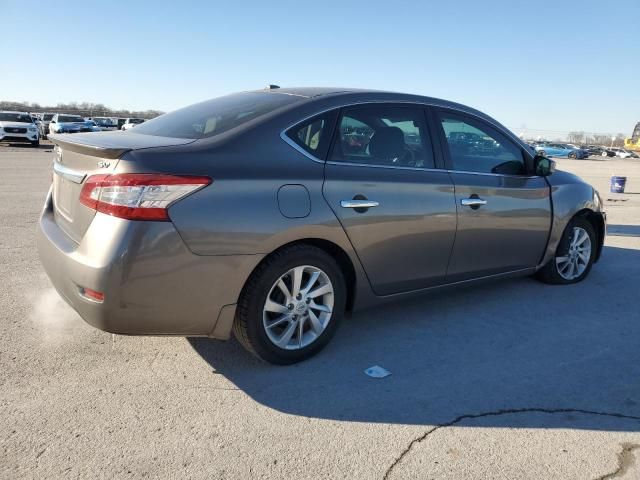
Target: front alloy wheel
574,256
573,264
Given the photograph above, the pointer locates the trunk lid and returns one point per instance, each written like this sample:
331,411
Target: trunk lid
81,155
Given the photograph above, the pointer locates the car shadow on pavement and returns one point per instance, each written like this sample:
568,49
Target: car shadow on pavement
515,344
623,230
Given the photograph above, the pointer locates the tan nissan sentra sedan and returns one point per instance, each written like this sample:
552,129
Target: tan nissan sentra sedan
271,213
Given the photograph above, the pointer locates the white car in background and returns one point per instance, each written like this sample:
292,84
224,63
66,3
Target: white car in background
18,127
622,153
131,122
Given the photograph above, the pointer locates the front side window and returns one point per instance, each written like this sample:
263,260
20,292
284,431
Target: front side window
383,135
476,147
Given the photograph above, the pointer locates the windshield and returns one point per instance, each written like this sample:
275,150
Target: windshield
136,120
216,116
70,118
47,116
15,117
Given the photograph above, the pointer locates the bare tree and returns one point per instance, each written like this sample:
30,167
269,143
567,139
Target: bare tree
576,137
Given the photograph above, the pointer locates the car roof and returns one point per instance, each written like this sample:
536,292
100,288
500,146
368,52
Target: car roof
11,111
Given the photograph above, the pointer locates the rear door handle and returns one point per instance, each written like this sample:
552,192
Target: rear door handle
358,203
473,202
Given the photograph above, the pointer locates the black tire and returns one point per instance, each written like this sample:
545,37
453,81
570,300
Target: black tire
549,273
248,326
542,153
573,155
35,143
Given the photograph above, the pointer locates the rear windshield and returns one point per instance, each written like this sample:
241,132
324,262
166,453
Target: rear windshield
136,120
47,116
69,118
216,116
15,117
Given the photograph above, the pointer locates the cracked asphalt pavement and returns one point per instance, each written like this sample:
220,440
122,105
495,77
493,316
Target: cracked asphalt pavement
512,379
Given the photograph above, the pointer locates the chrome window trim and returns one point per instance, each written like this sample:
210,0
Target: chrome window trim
389,167
290,142
488,174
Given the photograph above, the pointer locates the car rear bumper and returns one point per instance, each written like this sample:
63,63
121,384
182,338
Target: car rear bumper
152,283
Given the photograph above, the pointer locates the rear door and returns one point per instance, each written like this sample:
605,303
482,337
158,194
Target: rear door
504,212
397,209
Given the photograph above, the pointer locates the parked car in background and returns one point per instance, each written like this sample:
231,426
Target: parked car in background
131,122
65,123
271,212
561,150
622,153
18,127
44,124
105,123
92,125
605,152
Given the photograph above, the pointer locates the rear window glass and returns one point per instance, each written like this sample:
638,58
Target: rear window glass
216,116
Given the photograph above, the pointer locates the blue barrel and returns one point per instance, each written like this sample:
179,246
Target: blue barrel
617,184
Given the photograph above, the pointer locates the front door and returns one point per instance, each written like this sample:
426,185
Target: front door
504,212
398,211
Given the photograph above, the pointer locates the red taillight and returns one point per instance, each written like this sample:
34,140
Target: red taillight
138,196
92,294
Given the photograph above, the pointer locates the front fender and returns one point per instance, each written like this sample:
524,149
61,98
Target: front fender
570,196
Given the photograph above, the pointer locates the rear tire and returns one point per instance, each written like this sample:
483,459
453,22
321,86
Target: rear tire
266,314
559,271
573,155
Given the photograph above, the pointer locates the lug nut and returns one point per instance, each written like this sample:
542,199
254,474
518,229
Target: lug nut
308,300
299,296
290,306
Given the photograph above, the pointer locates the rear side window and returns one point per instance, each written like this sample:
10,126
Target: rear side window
314,135
476,147
216,116
383,135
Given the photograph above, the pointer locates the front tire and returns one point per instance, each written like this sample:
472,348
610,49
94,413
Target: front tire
574,256
35,143
573,155
292,305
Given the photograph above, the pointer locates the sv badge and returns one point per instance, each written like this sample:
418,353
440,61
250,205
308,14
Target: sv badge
104,164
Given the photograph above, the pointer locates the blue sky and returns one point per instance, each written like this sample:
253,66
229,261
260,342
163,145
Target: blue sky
561,65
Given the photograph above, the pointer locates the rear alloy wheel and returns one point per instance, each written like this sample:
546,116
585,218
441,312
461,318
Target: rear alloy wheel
573,155
574,256
291,306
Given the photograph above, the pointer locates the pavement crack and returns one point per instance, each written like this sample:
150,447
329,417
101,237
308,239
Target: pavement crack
626,457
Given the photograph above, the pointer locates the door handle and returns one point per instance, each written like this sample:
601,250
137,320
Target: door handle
358,203
473,202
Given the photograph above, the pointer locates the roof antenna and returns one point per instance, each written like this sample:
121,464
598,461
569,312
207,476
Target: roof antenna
272,87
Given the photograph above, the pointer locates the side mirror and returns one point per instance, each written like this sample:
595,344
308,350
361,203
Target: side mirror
544,166
52,121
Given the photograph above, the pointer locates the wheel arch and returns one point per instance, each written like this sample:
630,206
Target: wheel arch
596,219
338,253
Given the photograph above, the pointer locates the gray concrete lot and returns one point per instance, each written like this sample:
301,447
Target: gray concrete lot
509,380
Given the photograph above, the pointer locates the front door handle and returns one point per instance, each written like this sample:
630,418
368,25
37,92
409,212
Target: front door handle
358,203
473,202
